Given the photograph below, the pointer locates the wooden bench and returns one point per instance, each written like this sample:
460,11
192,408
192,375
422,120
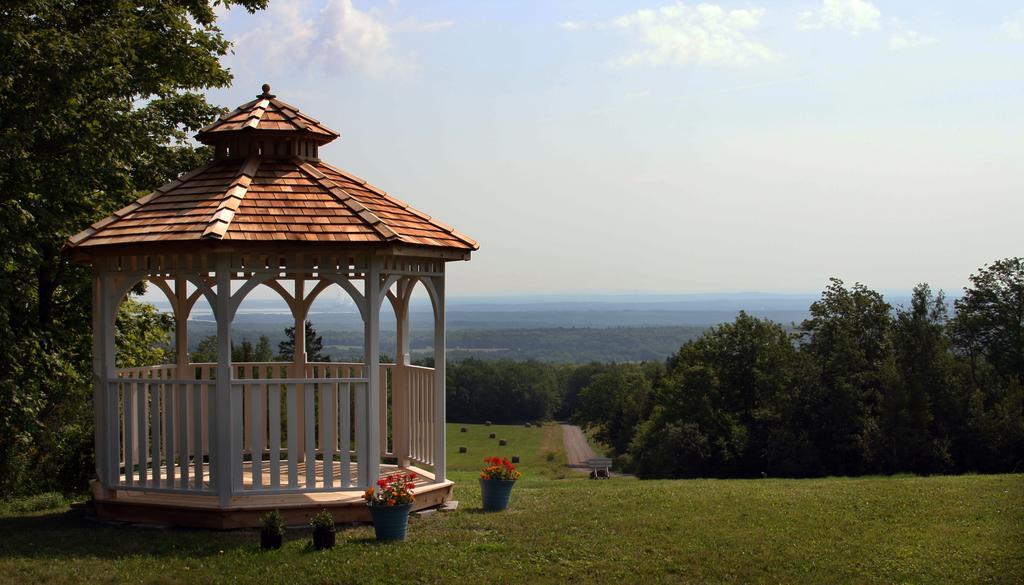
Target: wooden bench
600,467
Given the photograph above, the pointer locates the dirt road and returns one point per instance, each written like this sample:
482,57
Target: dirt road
577,450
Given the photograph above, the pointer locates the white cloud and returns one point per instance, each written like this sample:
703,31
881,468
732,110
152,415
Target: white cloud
909,39
851,15
680,35
413,25
1013,27
339,36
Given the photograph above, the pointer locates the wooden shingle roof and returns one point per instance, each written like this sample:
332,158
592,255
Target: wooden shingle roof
261,197
266,114
271,200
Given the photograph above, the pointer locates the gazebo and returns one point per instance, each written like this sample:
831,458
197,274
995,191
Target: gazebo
218,444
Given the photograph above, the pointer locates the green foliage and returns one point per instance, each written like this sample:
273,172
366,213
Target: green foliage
36,503
96,103
322,520
501,391
245,352
273,522
206,351
861,388
721,406
314,345
142,335
988,333
848,338
613,403
989,322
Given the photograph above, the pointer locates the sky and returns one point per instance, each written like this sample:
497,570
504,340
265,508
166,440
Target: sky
652,146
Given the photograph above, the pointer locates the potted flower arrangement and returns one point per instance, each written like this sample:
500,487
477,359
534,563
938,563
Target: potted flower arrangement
390,503
497,479
323,530
273,530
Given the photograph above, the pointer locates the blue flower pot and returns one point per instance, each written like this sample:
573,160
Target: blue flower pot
496,493
390,522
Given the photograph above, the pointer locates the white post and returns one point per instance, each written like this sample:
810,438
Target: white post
299,310
400,376
104,402
402,357
368,409
439,381
222,427
185,423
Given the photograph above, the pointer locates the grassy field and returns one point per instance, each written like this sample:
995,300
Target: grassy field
564,528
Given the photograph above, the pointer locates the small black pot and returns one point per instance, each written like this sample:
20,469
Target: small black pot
270,540
323,538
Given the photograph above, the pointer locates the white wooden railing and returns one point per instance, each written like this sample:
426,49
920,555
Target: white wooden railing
420,392
285,428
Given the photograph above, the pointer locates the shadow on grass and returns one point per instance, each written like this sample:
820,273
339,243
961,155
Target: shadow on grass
63,535
71,534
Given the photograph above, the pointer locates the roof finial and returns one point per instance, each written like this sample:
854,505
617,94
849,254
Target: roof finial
266,92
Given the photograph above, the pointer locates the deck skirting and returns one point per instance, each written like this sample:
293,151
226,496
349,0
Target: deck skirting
202,510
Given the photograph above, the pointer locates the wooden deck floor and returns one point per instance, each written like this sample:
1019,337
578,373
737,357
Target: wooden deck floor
203,510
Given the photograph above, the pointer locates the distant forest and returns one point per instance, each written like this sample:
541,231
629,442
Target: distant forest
859,387
554,345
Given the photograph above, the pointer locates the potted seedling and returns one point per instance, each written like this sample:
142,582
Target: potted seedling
323,530
272,533
390,503
497,479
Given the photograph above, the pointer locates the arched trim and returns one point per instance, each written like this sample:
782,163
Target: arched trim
244,290
307,302
385,288
435,300
357,297
202,285
171,297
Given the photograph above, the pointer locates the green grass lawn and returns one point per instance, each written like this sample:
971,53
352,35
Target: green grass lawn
562,527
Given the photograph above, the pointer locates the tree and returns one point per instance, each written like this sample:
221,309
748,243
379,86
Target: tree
142,335
988,331
726,406
613,404
263,352
314,345
206,351
572,380
502,391
96,103
245,352
989,322
847,336
917,382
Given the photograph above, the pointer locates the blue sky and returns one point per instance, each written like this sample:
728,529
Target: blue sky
671,147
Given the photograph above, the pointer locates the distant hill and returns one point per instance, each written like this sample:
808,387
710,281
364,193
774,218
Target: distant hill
565,328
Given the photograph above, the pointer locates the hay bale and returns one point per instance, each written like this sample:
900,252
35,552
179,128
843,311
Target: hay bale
462,449
515,459
463,430
502,442
493,435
